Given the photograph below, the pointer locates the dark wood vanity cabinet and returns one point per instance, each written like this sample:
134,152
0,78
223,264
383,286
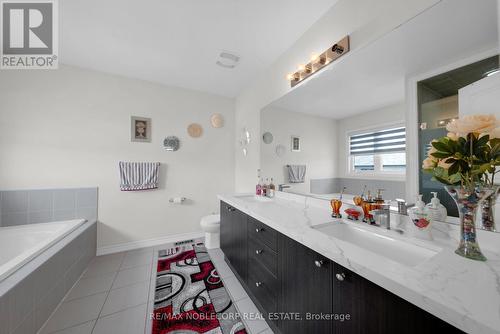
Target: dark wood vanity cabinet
233,238
306,288
293,286
373,309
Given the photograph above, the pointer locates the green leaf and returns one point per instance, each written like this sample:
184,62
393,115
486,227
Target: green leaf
441,155
454,168
482,141
442,147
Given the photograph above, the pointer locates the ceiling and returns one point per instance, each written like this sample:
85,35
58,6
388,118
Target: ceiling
374,76
177,42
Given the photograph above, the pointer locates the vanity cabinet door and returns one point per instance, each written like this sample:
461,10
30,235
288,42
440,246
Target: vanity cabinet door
306,287
226,230
239,247
373,309
233,238
360,300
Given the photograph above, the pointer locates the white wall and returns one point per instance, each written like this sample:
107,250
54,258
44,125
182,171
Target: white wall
318,146
363,20
71,127
389,115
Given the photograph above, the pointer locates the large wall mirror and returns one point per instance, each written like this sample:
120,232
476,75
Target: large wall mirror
358,127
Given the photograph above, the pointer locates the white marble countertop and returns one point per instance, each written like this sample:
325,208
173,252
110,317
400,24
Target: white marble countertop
462,292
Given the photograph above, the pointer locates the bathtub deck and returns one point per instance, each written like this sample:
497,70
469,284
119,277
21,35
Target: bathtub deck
114,295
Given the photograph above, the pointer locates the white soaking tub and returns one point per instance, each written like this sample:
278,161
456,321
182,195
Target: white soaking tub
20,244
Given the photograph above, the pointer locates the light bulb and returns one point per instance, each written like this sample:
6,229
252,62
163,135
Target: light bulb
289,76
314,57
302,67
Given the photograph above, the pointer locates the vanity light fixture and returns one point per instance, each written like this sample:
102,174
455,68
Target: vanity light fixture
318,62
443,122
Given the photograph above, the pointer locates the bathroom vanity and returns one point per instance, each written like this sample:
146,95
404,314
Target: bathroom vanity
310,273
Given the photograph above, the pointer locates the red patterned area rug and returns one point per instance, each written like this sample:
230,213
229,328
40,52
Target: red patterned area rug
189,294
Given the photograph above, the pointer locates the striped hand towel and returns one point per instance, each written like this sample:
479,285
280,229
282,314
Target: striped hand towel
139,175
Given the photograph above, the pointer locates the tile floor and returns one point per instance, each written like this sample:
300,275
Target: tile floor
115,295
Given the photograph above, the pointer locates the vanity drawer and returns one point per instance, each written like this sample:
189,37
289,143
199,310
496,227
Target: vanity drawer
263,233
263,254
263,285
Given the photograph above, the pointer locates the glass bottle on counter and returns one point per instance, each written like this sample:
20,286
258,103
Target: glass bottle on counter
258,187
272,189
265,188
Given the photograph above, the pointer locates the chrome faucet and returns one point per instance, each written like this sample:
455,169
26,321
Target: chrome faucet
282,186
383,215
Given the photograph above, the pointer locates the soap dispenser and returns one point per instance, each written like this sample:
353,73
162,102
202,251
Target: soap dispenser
418,214
435,210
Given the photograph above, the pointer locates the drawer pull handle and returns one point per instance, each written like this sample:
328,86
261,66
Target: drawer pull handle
258,251
340,277
319,263
258,230
258,284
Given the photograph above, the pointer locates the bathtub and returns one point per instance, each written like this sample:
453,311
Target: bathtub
20,244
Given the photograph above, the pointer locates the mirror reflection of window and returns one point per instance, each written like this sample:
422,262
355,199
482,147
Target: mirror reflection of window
437,106
378,152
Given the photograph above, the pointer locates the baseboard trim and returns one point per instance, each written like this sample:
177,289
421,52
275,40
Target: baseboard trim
126,246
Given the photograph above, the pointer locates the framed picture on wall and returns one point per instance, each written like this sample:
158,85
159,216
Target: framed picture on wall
140,130
295,144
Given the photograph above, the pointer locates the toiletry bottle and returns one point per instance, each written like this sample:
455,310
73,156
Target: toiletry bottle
418,215
435,209
379,199
265,188
258,187
272,188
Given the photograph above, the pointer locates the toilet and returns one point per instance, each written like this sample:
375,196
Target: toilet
211,226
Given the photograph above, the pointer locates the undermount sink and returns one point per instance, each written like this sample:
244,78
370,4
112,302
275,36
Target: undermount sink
379,242
254,198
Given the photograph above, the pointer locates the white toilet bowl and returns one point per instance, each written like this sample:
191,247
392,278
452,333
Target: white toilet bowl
211,226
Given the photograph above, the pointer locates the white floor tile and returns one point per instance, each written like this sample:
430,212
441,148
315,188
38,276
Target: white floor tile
131,276
85,328
104,265
126,297
251,316
216,254
75,312
137,258
130,321
234,288
91,285
223,269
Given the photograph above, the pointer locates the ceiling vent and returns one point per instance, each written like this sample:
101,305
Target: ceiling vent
228,60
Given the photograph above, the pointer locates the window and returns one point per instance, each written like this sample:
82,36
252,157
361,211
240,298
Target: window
380,152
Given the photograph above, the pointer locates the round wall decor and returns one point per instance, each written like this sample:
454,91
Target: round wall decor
195,130
171,143
217,120
267,137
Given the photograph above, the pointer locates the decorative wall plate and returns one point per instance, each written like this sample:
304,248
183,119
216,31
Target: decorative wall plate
267,137
195,130
217,120
280,150
171,143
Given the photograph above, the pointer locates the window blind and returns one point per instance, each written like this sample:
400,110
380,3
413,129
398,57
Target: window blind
383,141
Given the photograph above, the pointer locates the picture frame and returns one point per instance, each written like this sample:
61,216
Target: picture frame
140,129
295,144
